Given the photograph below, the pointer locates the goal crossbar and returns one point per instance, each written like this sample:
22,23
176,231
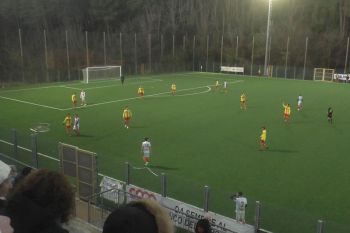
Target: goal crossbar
323,74
95,73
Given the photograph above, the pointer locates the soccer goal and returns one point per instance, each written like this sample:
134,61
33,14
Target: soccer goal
96,73
323,74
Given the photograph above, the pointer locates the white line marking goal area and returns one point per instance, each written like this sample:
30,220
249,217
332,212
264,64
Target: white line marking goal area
206,87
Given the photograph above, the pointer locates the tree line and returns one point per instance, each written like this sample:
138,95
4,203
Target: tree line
165,33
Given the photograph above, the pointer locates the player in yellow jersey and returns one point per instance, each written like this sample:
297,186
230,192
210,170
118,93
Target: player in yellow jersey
67,122
74,100
286,112
173,88
263,138
243,101
141,92
217,85
127,114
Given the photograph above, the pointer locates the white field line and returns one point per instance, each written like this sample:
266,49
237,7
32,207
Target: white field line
137,97
114,85
108,102
134,83
112,80
214,78
28,89
30,103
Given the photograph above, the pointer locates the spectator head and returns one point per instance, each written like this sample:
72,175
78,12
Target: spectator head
144,216
5,181
50,190
24,172
203,226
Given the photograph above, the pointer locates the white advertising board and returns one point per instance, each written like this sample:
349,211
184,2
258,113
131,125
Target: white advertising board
232,69
108,183
183,215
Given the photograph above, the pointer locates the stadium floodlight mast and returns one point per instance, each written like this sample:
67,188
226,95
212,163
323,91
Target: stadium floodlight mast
267,38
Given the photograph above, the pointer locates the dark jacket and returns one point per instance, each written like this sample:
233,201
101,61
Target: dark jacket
2,206
28,217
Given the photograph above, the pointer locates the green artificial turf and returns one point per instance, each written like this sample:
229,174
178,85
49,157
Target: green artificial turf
201,137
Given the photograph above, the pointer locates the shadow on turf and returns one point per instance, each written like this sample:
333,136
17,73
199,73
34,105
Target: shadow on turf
280,151
83,136
163,167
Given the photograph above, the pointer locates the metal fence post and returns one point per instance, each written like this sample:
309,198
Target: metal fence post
89,211
320,224
15,143
34,150
164,186
257,216
206,198
127,173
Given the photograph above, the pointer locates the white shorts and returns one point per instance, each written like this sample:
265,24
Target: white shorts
76,127
299,103
240,215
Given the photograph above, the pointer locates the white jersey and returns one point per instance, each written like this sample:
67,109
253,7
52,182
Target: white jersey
146,148
225,84
82,95
300,100
76,123
241,203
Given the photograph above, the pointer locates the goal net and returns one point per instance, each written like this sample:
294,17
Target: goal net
322,74
96,73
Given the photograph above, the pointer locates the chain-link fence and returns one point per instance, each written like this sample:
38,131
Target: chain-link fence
59,55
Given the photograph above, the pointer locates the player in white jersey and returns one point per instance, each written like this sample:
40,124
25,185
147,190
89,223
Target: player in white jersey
82,98
76,126
241,204
225,86
146,151
300,102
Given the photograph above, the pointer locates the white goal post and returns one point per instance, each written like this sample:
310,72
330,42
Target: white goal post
323,74
95,73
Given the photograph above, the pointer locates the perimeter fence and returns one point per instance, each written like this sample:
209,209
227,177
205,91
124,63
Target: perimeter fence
59,55
40,151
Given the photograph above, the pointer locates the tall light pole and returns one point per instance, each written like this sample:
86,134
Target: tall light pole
267,38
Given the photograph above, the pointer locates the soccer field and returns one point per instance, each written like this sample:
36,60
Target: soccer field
200,136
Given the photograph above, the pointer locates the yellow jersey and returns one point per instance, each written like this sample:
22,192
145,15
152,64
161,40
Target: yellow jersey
263,135
287,109
173,87
127,113
74,98
217,83
67,121
242,97
140,90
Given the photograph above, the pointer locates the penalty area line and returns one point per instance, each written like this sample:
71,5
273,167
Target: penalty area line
30,103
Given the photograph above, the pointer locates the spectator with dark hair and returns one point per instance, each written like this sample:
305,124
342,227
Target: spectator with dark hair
144,216
40,203
25,171
203,226
5,184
